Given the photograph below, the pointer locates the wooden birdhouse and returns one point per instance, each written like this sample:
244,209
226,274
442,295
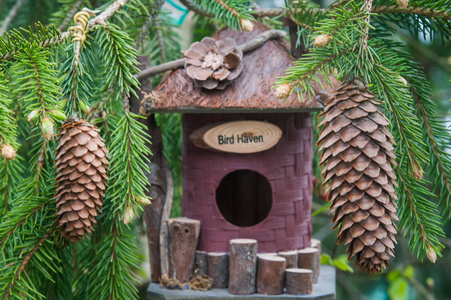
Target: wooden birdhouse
247,155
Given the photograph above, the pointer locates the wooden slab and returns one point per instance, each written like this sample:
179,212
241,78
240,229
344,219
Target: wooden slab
183,235
237,137
243,266
270,274
299,281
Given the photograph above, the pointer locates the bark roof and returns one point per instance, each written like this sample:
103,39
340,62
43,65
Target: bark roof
252,91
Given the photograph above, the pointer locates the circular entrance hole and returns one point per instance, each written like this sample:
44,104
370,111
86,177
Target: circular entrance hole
244,197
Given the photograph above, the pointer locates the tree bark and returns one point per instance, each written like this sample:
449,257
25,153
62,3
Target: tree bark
218,269
291,257
201,263
182,238
299,281
270,274
156,177
243,264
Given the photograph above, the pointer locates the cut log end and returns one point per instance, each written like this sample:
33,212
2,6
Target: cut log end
299,281
291,257
270,274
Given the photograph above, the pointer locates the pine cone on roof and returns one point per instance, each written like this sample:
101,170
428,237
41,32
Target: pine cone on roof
81,163
357,155
213,64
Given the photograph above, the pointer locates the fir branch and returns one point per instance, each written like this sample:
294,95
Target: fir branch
49,37
76,83
428,12
418,215
14,220
36,77
338,3
15,40
11,14
193,7
440,158
429,19
231,12
8,127
436,135
10,177
117,52
367,8
69,16
151,21
115,252
28,257
129,146
24,264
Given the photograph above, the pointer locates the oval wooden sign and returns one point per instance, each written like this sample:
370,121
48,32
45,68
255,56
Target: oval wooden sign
242,136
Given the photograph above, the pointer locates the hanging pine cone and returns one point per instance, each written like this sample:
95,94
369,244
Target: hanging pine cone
213,64
357,152
81,163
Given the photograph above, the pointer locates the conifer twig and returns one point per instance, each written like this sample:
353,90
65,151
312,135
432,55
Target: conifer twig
25,263
193,7
34,211
40,164
435,147
100,19
412,10
70,15
368,6
12,13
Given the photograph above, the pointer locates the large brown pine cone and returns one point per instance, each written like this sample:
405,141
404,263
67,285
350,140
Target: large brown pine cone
357,154
81,163
213,64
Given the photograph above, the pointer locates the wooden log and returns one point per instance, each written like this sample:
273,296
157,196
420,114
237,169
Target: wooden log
291,257
200,263
270,274
157,179
218,269
307,260
243,264
183,236
317,245
299,281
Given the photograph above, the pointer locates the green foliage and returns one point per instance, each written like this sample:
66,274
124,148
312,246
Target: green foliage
341,262
8,125
399,287
230,12
36,262
76,83
117,52
428,21
421,141
34,75
16,40
109,270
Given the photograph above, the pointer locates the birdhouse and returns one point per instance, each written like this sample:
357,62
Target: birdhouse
247,154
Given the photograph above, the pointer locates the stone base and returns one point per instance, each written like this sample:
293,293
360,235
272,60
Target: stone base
324,290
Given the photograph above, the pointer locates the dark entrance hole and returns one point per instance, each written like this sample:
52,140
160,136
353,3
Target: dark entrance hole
244,198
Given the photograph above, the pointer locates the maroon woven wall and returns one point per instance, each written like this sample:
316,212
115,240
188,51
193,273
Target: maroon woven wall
287,166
